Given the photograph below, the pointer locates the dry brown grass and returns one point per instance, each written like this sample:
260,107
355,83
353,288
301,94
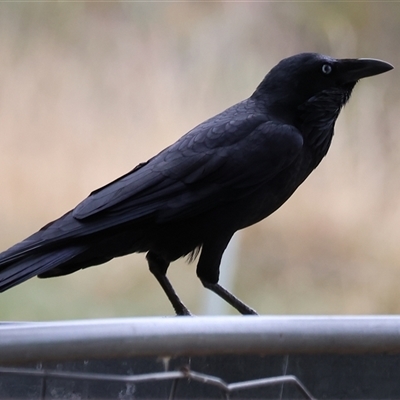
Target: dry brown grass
87,91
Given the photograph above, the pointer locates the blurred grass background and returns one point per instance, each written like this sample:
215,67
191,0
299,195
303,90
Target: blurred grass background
89,90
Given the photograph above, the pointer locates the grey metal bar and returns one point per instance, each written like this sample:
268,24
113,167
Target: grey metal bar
174,336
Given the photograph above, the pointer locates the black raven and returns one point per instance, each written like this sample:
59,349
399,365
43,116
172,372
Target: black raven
227,173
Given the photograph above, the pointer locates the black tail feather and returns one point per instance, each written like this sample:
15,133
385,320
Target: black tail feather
17,268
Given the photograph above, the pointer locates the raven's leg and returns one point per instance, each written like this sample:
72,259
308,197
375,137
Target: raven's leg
229,298
158,267
208,272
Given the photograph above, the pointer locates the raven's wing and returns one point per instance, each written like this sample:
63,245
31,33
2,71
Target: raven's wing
223,157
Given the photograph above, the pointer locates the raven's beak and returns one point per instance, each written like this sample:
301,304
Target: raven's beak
354,69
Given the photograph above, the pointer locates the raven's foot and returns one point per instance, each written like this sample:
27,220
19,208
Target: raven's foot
158,267
229,298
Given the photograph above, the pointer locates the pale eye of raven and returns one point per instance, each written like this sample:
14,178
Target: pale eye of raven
326,69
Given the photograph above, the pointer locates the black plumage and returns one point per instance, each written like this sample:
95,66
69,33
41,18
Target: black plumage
227,173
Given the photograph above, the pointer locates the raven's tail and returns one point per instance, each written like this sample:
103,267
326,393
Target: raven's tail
20,262
64,246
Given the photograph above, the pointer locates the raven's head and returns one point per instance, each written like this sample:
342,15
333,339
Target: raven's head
308,91
297,79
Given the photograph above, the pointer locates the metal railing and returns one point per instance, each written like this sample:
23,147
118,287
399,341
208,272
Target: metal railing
278,352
